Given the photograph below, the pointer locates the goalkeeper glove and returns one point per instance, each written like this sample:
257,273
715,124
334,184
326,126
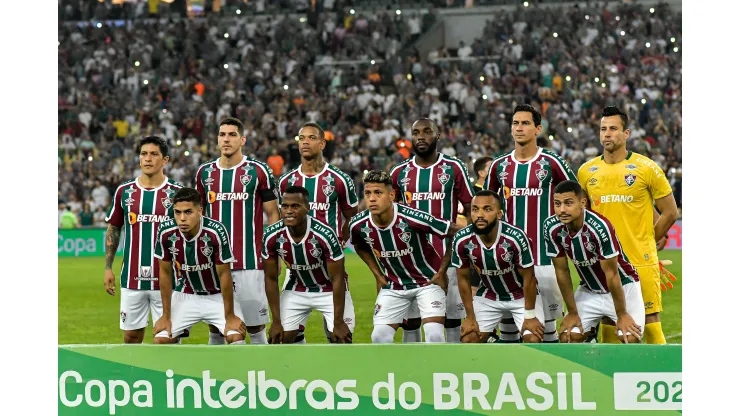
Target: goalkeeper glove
665,275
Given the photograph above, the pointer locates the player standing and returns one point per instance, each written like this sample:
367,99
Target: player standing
139,206
502,255
481,167
434,183
315,257
200,250
235,190
609,285
331,195
392,240
526,179
622,186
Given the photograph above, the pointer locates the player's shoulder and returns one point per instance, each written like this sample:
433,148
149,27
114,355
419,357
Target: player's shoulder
463,233
500,157
339,173
552,222
207,163
320,227
549,154
262,165
167,226
512,230
400,165
454,161
174,184
273,228
405,210
125,184
357,218
642,163
591,165
593,217
212,224
287,174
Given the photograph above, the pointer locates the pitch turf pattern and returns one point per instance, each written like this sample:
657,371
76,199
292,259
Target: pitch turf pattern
88,315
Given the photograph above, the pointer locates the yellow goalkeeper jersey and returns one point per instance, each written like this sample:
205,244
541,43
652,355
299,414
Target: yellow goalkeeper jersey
624,193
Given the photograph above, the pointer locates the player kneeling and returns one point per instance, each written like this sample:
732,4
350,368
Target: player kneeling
502,256
201,251
609,285
315,258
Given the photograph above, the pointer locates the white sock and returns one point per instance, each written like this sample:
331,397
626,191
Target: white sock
382,334
551,334
303,341
412,335
434,332
453,334
242,342
258,338
179,341
216,339
509,332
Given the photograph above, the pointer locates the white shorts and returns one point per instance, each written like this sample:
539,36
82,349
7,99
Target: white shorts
488,313
455,308
296,306
189,309
391,306
249,293
547,285
135,307
594,306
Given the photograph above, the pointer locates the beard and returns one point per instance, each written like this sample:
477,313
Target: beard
485,230
431,149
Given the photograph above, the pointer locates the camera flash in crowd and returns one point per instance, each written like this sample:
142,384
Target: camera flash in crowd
526,4
398,12
226,66
285,87
146,82
482,78
137,63
89,158
555,34
187,153
238,11
372,62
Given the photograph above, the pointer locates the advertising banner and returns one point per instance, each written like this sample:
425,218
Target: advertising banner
674,237
587,379
80,242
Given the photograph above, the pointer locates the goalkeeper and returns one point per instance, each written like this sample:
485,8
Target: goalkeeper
625,187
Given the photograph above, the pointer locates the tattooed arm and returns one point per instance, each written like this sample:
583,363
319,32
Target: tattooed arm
112,236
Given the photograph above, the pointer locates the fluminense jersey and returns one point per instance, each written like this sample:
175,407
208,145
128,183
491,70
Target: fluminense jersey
498,265
404,254
139,212
307,259
527,189
595,241
234,197
194,260
330,192
436,189
624,192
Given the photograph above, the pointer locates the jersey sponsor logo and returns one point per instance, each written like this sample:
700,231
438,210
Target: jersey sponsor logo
207,250
505,163
598,200
509,192
599,229
501,272
305,267
227,196
319,206
133,218
424,196
196,267
631,166
393,253
585,263
630,179
593,169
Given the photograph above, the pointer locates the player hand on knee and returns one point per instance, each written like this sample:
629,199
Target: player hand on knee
469,326
233,323
163,324
569,323
627,325
665,275
534,326
440,279
341,334
276,333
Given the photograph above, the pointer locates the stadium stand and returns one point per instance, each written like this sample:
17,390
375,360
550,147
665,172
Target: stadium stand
354,68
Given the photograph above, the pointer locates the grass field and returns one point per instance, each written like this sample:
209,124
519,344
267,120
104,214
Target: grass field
88,315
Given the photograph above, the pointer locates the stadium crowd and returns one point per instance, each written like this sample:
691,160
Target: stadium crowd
178,78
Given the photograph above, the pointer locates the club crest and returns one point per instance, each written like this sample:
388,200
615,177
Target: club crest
328,189
366,230
471,247
129,201
167,200
245,179
123,316
590,246
316,250
207,250
292,180
507,254
630,179
443,178
405,235
280,250
541,173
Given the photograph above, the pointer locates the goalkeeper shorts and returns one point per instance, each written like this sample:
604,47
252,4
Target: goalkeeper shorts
650,284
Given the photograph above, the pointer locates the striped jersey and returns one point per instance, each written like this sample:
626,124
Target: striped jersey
234,197
307,259
139,212
436,189
527,190
595,241
403,252
330,192
194,260
497,265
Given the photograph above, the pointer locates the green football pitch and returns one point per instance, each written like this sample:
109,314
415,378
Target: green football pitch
88,315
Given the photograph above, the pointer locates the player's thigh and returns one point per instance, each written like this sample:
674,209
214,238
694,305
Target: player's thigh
391,306
488,313
186,310
134,309
547,284
250,293
650,287
454,308
633,304
325,305
413,312
155,304
591,307
294,309
212,311
432,301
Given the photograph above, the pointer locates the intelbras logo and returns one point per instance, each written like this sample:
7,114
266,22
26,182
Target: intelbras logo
227,196
133,218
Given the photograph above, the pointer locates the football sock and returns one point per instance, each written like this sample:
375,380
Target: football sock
302,341
653,333
382,334
551,333
509,331
453,334
434,332
609,334
258,338
413,335
216,339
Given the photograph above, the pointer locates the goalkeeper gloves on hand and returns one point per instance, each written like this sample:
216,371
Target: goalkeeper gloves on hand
665,275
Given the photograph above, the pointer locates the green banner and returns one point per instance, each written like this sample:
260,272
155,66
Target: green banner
592,379
80,242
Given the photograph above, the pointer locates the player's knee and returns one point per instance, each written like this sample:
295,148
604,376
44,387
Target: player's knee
631,339
575,338
133,337
164,340
470,339
452,323
434,332
411,324
235,338
255,329
530,339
